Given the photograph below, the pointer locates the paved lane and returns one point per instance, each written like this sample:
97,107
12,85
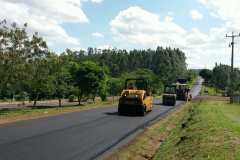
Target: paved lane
79,135
196,87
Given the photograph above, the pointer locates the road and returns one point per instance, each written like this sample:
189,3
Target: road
79,135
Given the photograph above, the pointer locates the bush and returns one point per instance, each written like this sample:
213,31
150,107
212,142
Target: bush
72,97
23,96
84,98
104,96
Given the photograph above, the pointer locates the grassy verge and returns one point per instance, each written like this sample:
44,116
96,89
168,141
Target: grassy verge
156,97
211,91
198,130
212,132
191,84
53,110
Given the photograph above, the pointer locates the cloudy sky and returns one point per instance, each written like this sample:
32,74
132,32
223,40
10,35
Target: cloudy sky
197,27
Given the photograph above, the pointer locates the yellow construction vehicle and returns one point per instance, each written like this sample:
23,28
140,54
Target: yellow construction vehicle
136,97
169,96
181,87
175,91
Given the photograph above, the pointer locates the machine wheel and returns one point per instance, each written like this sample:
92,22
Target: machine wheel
120,112
144,112
174,103
163,102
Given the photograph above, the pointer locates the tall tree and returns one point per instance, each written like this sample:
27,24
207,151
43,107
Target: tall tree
88,77
207,74
37,66
13,55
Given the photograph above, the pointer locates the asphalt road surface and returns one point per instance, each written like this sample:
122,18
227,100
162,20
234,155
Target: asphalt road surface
75,136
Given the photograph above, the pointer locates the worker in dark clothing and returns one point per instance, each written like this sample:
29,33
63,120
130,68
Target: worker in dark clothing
188,90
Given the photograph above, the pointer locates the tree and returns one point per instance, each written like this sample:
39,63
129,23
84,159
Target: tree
221,74
61,78
88,77
37,66
13,56
190,75
153,80
206,74
114,87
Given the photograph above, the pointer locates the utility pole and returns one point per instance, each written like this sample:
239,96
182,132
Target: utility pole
231,76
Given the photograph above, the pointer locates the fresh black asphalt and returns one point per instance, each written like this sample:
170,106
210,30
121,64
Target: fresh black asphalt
73,136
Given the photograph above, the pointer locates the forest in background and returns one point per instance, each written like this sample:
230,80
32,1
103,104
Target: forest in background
30,71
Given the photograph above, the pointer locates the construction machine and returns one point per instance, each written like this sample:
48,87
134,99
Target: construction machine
170,95
181,87
137,98
175,91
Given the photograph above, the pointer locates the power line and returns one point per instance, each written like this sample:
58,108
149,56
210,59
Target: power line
236,10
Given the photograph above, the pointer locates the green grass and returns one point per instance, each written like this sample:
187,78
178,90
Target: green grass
41,111
211,91
212,131
156,97
191,84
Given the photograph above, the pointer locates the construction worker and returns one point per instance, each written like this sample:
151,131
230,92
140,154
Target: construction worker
187,90
131,86
185,96
190,97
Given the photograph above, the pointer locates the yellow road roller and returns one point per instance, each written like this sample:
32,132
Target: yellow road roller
136,97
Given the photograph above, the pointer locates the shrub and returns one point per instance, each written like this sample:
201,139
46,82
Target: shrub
104,96
23,96
72,97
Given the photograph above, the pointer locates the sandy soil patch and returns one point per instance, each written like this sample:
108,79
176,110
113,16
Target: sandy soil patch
211,98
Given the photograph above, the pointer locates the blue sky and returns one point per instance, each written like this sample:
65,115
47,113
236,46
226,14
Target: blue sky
197,27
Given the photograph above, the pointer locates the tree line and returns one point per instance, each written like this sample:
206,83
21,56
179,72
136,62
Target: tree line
219,77
30,71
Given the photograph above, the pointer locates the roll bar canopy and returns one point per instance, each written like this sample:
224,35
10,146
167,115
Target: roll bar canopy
145,86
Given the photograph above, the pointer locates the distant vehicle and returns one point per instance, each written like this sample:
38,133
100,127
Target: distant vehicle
175,91
137,98
181,87
170,95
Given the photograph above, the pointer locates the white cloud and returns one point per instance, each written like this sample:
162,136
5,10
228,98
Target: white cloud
197,40
195,14
226,10
97,1
168,19
45,17
218,36
96,34
203,1
195,30
193,53
105,47
214,15
218,52
78,49
139,26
